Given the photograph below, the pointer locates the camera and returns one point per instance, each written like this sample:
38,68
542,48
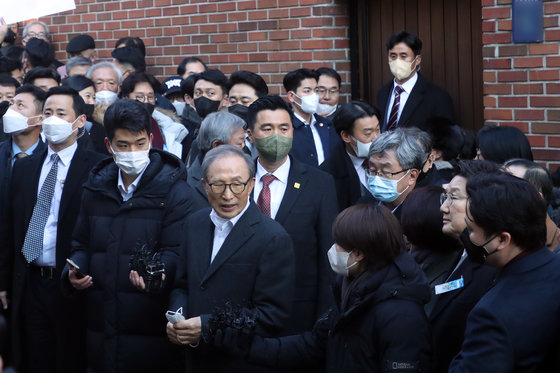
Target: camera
148,265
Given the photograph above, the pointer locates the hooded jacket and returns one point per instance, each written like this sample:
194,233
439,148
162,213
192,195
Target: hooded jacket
381,328
125,326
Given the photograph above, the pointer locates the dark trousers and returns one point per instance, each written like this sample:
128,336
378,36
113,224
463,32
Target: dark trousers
39,322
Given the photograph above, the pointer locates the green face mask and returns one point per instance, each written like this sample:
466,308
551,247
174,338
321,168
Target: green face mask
273,148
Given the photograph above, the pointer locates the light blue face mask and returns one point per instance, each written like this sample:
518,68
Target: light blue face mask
385,190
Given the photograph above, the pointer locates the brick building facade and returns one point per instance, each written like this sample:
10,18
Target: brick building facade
272,37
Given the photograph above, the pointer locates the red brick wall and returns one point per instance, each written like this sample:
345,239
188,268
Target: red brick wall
521,81
269,37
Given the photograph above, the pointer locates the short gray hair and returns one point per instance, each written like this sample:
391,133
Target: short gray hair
407,150
77,61
102,65
218,126
423,138
224,151
26,28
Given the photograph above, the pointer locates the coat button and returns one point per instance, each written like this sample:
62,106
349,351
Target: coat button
202,287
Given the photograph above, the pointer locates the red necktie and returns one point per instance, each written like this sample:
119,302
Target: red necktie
365,164
264,197
392,123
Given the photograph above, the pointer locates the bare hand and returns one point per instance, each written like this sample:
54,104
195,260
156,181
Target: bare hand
4,300
138,282
79,283
185,332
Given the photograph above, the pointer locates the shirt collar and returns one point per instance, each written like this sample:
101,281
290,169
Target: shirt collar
313,119
358,162
65,154
134,185
408,85
221,223
17,150
281,173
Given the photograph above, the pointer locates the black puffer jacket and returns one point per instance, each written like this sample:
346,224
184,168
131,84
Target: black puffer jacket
382,328
126,327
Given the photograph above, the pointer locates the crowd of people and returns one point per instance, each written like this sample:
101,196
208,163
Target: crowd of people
203,225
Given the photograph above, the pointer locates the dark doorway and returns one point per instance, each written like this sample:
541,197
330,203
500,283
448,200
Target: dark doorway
451,33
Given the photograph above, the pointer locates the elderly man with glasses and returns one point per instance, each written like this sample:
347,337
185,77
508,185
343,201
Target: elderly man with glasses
232,253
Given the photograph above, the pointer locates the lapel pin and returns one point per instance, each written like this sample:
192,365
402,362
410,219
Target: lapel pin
296,185
320,124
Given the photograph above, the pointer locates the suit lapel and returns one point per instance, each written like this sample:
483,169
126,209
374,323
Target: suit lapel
323,130
241,233
74,178
297,181
446,298
202,253
414,99
35,171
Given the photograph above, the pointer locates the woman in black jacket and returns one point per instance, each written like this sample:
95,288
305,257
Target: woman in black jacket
378,323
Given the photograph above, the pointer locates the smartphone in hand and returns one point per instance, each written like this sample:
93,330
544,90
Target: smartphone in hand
79,273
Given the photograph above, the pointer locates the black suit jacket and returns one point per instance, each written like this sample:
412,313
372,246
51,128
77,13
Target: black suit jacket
449,315
254,269
303,146
346,180
425,101
194,179
22,196
307,212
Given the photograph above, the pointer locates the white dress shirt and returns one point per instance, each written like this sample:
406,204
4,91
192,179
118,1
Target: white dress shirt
277,186
359,166
127,193
222,228
316,137
407,88
48,257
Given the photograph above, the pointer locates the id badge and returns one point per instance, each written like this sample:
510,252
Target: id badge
449,286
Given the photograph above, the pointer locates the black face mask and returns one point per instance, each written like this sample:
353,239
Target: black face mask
89,110
239,110
149,107
4,105
205,106
477,254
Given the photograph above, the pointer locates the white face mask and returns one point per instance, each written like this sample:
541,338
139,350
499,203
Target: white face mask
105,97
325,109
362,149
57,130
401,69
339,261
15,123
131,163
308,103
179,107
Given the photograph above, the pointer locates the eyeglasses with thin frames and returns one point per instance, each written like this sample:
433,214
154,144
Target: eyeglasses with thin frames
449,198
236,187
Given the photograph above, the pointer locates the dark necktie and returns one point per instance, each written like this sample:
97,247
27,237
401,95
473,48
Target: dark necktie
392,123
365,164
264,197
33,243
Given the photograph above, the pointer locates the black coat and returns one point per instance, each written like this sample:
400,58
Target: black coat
126,327
448,318
303,146
254,269
307,212
515,326
13,266
383,327
346,180
426,101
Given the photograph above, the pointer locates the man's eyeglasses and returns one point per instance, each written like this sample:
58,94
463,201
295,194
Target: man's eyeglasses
236,188
384,174
449,198
321,91
142,98
39,35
